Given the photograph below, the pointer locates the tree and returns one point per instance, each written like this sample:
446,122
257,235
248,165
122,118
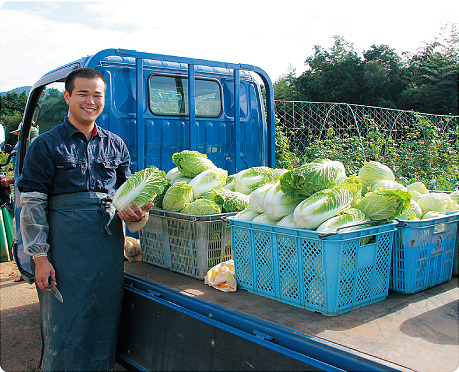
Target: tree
285,87
334,75
433,77
383,77
12,107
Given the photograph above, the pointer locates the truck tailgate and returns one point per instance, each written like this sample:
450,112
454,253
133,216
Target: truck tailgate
417,332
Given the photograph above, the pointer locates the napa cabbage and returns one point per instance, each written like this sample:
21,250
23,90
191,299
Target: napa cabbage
455,196
249,179
263,218
387,184
287,221
414,212
208,180
354,185
142,187
201,207
174,174
231,201
229,183
348,217
432,214
321,206
433,201
312,177
418,187
278,204
373,171
177,196
191,163
384,204
246,215
257,198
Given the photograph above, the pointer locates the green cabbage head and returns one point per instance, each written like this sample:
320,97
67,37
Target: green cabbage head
142,187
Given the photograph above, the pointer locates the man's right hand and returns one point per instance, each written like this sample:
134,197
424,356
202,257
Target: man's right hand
43,271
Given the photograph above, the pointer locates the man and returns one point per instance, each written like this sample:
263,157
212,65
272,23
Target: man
72,231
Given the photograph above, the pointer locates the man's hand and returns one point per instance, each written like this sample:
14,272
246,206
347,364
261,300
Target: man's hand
129,215
43,271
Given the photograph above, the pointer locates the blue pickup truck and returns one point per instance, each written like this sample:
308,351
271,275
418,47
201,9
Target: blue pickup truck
163,104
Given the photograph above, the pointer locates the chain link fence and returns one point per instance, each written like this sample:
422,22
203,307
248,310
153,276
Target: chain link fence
304,122
416,145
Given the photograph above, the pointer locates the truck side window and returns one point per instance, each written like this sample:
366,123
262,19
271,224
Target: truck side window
169,96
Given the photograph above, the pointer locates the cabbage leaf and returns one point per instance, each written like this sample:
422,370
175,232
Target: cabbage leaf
321,206
347,217
209,179
201,207
384,204
177,196
191,163
312,177
249,179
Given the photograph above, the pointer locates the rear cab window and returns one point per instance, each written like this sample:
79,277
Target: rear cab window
169,96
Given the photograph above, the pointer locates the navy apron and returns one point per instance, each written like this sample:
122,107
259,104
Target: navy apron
86,249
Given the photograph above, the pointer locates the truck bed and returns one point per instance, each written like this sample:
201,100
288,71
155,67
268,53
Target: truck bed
418,332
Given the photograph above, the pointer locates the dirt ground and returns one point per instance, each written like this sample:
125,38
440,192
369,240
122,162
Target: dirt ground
20,322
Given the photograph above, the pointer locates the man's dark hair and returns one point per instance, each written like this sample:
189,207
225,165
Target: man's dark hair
84,72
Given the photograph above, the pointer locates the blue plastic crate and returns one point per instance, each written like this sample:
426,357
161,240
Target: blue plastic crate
423,253
330,275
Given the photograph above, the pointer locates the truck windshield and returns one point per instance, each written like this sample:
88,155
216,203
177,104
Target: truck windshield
169,96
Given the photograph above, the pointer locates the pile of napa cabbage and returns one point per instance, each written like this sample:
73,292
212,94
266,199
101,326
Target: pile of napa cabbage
318,195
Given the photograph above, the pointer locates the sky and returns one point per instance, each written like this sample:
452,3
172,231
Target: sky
277,36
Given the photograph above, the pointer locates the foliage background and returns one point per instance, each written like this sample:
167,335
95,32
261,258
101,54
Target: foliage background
426,81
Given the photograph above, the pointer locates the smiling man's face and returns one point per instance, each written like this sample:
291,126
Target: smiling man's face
86,101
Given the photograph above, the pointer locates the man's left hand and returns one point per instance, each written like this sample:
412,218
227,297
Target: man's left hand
129,215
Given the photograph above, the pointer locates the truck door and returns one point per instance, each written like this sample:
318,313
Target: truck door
46,108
